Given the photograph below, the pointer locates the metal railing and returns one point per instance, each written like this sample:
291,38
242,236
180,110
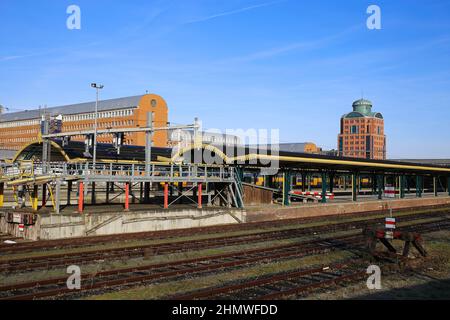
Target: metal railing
117,172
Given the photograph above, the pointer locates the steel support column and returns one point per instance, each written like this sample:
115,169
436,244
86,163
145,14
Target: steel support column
448,185
2,195
44,195
80,197
107,192
303,181
148,144
324,187
402,180
146,192
69,192
419,182
374,184
199,194
166,195
355,187
287,180
93,200
58,196
380,180
332,182
127,196
435,186
34,198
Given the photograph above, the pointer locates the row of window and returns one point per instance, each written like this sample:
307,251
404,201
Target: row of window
28,139
111,124
101,115
361,149
357,129
27,131
69,118
24,123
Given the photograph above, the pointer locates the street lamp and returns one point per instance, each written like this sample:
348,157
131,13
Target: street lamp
97,87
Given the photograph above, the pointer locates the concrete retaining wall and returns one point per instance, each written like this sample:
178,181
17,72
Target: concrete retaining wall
69,226
277,213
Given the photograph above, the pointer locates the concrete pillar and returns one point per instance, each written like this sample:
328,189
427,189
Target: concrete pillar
324,187
345,182
80,197
354,187
199,200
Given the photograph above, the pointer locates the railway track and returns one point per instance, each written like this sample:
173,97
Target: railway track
160,272
290,283
169,234
65,259
276,286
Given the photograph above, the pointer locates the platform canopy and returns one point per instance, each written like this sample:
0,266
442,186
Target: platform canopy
249,157
75,151
266,157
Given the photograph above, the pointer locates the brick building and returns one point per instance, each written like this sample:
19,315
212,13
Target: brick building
20,128
362,133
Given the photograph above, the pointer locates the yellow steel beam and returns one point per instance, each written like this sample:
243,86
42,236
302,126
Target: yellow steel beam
2,190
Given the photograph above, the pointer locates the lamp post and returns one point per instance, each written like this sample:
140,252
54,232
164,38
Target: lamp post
97,87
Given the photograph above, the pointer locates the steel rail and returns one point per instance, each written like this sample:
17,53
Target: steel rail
164,248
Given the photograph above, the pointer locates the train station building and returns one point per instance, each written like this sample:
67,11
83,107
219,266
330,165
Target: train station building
20,128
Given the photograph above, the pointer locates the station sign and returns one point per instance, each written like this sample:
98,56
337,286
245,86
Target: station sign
390,223
17,218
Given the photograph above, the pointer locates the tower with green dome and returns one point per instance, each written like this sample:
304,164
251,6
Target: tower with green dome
362,133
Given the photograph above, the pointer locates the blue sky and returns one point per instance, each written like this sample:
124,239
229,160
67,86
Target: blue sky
293,65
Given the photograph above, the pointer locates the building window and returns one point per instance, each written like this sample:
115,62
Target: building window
354,129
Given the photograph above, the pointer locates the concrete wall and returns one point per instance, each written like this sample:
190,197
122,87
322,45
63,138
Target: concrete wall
68,226
277,213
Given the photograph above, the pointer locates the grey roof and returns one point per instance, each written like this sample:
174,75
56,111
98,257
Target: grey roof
439,162
103,105
7,154
286,147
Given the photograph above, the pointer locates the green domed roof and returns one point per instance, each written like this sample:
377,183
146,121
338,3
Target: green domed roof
362,102
362,108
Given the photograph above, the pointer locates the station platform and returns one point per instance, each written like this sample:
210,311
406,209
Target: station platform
111,219
368,204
